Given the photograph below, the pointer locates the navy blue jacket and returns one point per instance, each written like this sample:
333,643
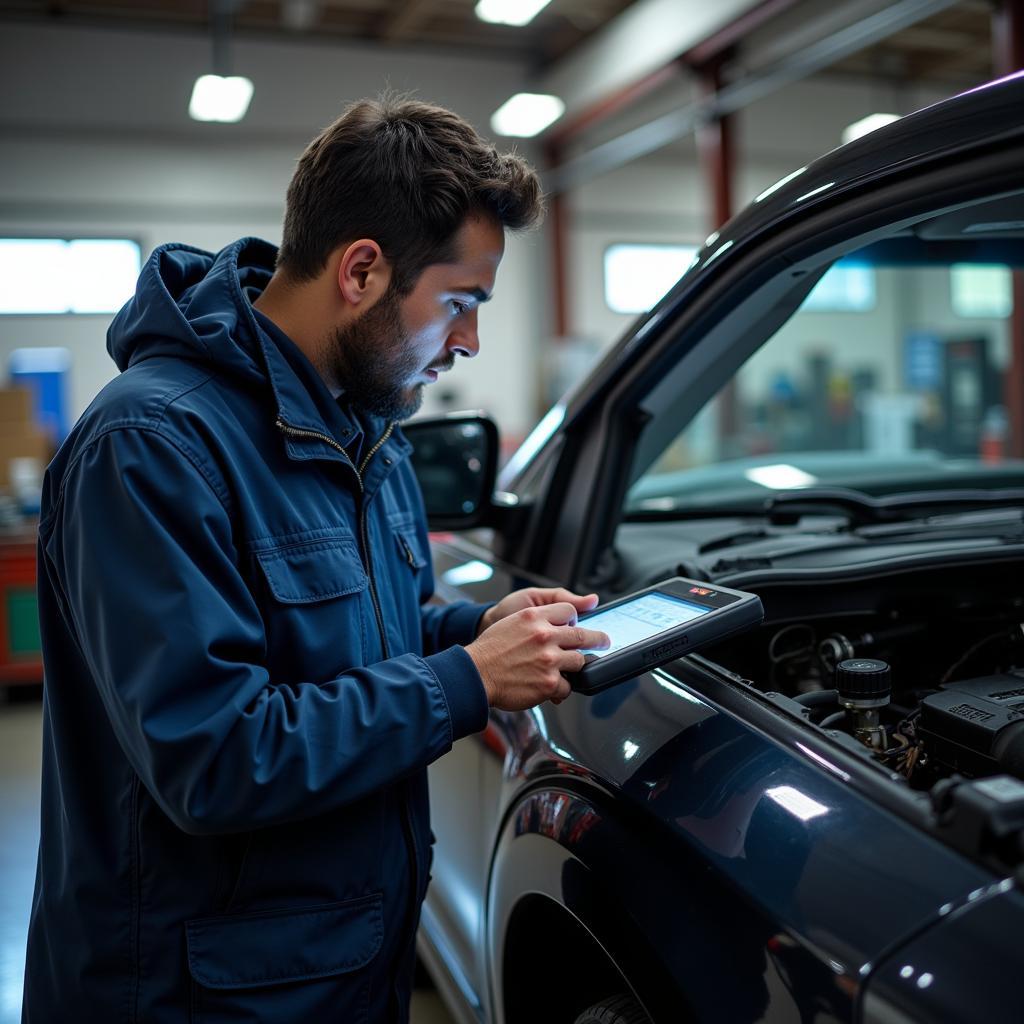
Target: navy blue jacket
244,682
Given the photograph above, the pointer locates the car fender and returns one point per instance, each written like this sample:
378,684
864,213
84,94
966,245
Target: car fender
548,876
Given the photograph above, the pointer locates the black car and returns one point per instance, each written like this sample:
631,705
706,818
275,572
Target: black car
826,411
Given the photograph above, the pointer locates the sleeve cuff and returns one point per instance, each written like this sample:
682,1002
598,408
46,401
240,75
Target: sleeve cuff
463,689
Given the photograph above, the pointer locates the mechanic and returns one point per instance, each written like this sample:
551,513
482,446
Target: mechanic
244,680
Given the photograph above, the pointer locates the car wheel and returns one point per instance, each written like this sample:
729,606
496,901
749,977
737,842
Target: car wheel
620,1009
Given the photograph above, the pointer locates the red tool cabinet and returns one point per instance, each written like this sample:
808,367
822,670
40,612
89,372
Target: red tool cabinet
20,653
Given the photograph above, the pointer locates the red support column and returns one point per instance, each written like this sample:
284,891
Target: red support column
559,213
1008,56
715,153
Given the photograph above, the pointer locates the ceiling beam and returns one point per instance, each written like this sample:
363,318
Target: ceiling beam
407,20
656,134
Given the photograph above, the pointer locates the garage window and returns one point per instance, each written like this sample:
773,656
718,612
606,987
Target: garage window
977,290
59,275
847,287
636,277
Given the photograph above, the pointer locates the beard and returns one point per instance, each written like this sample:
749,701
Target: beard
372,359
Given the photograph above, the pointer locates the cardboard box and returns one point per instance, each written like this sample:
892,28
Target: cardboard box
20,441
15,407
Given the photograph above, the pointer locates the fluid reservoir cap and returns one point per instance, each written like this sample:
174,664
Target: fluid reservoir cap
863,679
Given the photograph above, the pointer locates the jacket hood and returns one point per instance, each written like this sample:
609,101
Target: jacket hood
190,303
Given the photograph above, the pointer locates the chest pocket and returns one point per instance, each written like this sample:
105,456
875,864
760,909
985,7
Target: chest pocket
313,607
311,572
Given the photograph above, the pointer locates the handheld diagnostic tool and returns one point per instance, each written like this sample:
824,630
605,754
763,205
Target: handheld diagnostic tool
656,625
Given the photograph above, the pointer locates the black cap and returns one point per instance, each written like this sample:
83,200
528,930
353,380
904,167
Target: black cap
863,679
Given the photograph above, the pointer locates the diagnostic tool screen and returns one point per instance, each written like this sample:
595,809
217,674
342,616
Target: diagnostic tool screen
638,620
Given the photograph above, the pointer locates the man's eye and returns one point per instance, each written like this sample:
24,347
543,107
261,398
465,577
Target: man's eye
458,308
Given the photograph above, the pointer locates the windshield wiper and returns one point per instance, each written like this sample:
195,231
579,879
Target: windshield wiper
863,509
667,512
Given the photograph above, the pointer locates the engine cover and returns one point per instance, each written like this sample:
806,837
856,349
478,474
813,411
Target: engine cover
976,726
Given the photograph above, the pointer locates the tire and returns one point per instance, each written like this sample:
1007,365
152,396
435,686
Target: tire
620,1009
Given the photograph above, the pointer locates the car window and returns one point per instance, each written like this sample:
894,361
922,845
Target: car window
886,378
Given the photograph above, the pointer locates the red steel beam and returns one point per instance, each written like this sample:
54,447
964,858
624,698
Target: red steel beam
559,211
715,140
728,36
715,151
611,104
703,54
716,154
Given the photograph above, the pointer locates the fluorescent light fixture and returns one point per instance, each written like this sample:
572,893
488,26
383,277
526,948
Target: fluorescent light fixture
510,12
629,750
800,805
526,114
215,98
867,124
781,476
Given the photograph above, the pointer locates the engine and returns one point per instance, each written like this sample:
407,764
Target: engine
929,679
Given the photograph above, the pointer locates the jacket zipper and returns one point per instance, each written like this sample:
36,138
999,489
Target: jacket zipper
407,825
363,537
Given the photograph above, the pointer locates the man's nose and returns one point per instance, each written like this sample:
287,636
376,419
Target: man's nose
464,340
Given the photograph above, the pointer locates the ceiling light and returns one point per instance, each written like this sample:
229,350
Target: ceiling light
510,12
526,114
216,98
867,124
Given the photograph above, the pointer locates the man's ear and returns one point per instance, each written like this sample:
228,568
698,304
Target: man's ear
363,273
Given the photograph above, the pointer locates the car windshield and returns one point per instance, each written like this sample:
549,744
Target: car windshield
887,379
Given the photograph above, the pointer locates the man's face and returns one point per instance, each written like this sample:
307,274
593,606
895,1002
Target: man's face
384,358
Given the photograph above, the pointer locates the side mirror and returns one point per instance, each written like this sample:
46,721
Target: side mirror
456,460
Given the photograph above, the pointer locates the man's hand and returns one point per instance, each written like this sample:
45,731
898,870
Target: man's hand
534,597
522,656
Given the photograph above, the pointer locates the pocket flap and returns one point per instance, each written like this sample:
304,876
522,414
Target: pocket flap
409,548
272,947
313,572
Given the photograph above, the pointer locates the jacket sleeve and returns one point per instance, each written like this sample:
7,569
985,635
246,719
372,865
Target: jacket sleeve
447,625
141,542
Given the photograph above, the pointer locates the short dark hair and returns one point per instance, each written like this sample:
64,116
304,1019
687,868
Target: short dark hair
406,174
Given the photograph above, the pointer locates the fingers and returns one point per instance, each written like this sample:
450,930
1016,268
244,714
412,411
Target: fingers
563,691
573,637
559,595
583,602
558,614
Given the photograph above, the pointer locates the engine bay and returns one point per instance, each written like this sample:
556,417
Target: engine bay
924,668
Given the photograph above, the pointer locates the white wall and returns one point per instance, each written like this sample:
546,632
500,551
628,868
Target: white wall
96,141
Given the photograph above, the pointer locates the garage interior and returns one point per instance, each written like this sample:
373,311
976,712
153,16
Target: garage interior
676,115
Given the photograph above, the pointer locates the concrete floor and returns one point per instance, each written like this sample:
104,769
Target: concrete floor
20,738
